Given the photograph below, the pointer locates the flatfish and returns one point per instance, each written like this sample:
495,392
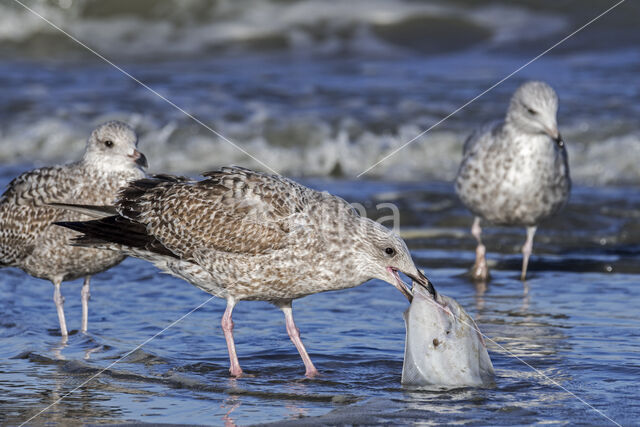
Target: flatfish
443,345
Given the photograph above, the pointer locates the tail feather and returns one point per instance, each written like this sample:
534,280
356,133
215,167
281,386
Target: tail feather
116,230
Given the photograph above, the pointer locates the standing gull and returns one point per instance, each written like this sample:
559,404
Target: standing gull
515,172
245,235
29,241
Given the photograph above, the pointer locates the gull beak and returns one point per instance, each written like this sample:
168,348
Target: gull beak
425,283
421,279
559,140
399,284
139,158
555,135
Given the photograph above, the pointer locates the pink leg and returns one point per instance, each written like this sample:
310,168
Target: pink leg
480,270
85,303
294,334
59,300
526,251
227,327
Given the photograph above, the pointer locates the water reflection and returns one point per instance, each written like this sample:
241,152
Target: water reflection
56,350
52,403
90,351
229,405
481,289
526,297
295,409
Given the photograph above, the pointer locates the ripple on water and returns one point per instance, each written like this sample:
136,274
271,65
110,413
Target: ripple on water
576,328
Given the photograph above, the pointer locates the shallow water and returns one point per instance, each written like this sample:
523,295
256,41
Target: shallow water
574,324
319,89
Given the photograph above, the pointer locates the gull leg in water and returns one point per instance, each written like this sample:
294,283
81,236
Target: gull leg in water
85,303
227,328
59,300
526,251
480,270
294,334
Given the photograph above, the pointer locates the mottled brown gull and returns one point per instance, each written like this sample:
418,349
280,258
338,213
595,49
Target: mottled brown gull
515,172
245,235
29,241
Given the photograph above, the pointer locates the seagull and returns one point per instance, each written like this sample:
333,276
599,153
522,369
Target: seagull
240,235
30,242
515,172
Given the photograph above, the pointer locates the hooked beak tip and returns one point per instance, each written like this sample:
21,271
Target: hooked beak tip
140,159
426,283
557,137
421,279
559,140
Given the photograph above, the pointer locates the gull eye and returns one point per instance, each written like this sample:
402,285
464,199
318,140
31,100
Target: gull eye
531,111
390,251
108,143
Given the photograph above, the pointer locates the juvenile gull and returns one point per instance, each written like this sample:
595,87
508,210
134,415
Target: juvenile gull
515,172
29,241
245,235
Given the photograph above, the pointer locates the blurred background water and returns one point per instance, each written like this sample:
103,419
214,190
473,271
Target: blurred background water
320,90
315,87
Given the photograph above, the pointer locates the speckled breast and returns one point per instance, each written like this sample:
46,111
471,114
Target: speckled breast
523,189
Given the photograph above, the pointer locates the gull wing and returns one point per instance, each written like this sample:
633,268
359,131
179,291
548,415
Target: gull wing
480,135
24,210
233,210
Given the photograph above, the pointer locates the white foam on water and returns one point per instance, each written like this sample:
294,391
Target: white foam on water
507,21
180,146
610,161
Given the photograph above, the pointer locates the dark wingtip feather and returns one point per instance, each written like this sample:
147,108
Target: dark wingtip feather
115,229
96,211
73,225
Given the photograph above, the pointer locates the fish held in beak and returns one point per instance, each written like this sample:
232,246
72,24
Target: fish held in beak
443,347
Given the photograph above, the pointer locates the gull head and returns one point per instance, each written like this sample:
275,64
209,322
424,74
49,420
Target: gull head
384,255
533,109
113,146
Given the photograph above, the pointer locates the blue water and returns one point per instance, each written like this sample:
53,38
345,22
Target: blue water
319,91
575,321
358,88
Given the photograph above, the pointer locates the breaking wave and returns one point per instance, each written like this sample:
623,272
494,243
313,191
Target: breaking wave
312,87
313,149
149,27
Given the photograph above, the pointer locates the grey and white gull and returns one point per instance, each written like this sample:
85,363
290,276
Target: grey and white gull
245,235
515,172
29,241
